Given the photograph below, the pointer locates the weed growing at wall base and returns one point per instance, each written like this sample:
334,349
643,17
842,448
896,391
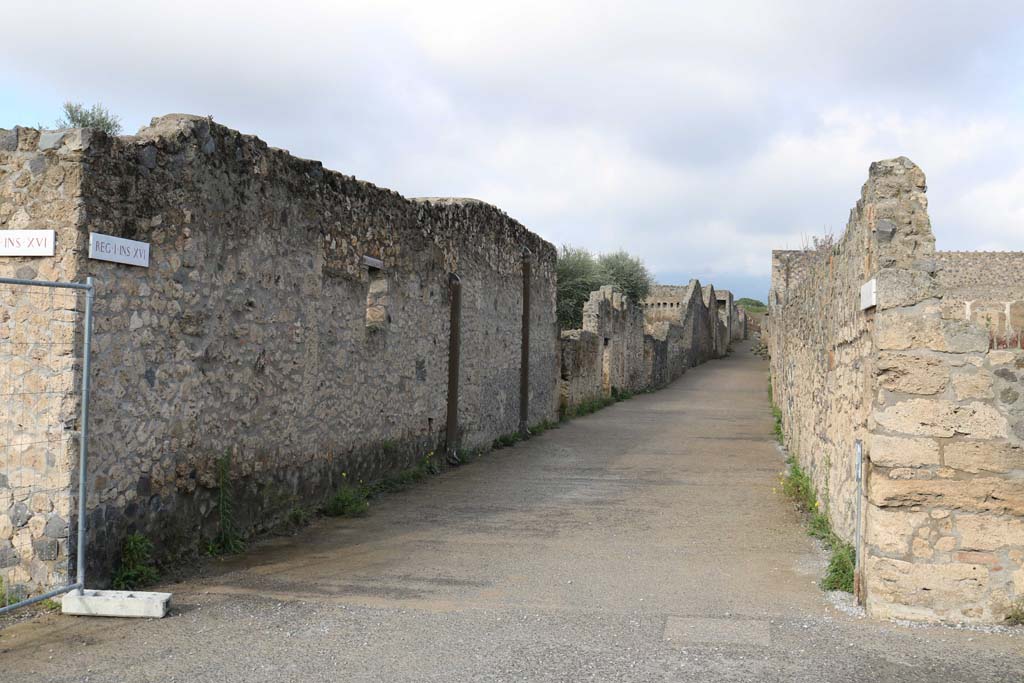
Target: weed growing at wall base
136,568
227,540
349,501
842,559
1015,617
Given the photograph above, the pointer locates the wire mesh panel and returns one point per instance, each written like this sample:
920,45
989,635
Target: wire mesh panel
42,329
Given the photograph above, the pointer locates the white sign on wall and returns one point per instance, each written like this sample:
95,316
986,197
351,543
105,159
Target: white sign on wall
27,242
118,250
869,294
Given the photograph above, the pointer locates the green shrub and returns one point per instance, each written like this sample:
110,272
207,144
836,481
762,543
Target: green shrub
841,564
77,115
136,569
579,272
506,440
348,502
779,434
798,486
752,305
1015,617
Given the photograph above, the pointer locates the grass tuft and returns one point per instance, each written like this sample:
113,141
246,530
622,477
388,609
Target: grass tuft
348,502
1015,617
136,569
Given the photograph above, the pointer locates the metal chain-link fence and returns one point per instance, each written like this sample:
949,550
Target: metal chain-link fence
45,338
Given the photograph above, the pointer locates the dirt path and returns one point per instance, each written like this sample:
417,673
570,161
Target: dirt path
643,543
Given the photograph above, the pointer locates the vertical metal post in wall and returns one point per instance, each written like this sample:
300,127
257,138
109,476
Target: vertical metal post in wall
83,446
454,348
859,449
524,359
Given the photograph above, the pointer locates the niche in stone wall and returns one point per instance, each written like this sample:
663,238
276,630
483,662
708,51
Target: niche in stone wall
377,315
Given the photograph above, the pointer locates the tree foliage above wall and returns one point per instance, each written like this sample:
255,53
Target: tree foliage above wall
580,272
752,305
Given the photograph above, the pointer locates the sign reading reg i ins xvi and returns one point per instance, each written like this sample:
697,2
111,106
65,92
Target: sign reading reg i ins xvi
118,250
27,242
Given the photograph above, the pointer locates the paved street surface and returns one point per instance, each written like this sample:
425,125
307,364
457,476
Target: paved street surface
642,543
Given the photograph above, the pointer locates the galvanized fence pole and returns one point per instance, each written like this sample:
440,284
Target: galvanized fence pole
83,445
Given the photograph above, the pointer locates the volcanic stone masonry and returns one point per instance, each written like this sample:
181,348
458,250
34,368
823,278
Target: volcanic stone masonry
290,336
926,378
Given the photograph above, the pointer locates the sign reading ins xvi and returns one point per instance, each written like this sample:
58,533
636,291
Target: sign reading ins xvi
27,242
118,250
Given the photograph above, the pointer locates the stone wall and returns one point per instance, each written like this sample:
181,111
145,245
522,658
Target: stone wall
928,392
258,337
685,307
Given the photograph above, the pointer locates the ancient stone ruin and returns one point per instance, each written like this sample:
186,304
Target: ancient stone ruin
291,335
913,356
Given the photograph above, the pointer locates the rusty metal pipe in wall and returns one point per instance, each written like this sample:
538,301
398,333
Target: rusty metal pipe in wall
454,349
524,362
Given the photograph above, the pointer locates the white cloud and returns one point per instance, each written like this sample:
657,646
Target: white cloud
697,136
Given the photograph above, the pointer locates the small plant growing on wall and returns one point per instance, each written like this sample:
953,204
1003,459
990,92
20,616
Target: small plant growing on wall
136,569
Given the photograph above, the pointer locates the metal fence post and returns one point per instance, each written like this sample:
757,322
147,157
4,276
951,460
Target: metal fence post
83,446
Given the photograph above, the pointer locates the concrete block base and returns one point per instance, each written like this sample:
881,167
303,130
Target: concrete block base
92,603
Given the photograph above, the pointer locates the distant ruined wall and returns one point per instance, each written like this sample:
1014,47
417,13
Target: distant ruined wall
931,392
986,288
635,347
258,334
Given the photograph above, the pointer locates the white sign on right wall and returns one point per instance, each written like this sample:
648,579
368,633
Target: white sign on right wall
118,250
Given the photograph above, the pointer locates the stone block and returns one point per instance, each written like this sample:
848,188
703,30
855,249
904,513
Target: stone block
898,451
972,384
983,532
8,555
890,531
969,557
929,417
911,374
997,496
1001,357
46,549
94,603
922,327
902,287
924,592
51,139
983,456
8,140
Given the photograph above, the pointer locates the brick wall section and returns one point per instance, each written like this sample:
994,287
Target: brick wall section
934,404
251,335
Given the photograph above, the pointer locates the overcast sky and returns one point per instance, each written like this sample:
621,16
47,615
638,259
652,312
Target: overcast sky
698,136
